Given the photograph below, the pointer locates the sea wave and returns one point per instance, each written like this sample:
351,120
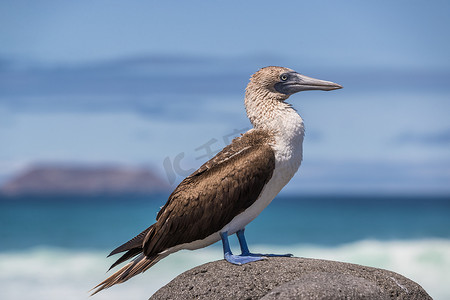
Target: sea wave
52,273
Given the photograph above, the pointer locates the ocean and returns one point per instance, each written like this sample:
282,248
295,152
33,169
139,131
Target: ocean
56,247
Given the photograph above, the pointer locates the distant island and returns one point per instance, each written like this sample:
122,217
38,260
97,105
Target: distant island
84,180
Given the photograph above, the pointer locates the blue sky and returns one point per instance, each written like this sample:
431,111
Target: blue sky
141,82
404,34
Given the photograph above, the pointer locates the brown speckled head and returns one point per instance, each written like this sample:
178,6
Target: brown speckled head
271,86
267,77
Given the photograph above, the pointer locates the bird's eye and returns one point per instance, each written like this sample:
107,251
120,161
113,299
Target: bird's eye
284,77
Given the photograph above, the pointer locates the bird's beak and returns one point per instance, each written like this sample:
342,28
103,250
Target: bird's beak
305,83
298,82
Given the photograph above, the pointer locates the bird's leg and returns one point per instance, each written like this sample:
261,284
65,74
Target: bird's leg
243,242
247,253
235,259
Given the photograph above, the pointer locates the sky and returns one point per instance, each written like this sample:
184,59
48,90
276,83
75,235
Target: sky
161,84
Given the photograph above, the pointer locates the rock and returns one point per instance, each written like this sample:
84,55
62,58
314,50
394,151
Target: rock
323,285
290,278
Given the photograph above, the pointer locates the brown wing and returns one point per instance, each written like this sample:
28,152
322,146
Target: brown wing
209,198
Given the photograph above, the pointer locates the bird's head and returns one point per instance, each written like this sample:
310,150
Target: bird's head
283,82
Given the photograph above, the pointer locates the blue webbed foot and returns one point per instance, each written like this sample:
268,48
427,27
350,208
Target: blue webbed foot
241,259
246,255
246,251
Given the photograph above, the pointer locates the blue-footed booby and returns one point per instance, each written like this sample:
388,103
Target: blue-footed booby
230,190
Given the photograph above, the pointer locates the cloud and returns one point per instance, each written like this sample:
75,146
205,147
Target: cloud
127,83
441,138
374,177
123,81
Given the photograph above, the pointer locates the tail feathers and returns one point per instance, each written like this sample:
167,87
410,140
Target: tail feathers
141,263
129,254
135,242
138,265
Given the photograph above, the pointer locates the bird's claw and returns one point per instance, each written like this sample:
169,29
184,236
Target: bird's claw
267,255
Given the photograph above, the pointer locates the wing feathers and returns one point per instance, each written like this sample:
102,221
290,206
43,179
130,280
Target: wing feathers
202,204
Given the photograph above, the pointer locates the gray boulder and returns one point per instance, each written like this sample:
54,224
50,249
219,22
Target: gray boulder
290,278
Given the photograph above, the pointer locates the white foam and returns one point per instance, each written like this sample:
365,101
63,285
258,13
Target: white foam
49,273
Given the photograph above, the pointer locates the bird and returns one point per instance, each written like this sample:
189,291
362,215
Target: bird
231,189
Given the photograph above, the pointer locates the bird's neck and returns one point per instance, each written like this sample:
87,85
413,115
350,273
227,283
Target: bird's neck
268,110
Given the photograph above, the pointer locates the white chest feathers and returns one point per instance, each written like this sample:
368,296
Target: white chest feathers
288,146
288,157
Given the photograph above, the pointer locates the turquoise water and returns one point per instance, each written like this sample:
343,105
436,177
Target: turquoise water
102,222
55,247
